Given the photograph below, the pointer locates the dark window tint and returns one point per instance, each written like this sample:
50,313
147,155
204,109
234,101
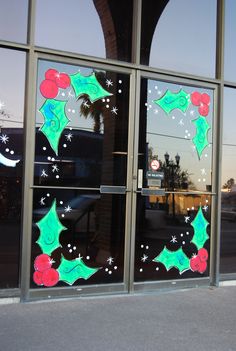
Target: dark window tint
228,194
96,28
12,76
13,20
179,35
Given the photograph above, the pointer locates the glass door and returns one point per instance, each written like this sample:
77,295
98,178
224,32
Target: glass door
174,182
80,179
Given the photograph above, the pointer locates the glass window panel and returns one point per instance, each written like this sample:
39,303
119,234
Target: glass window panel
13,20
85,244
97,28
186,133
170,247
179,35
84,142
12,76
229,42
228,194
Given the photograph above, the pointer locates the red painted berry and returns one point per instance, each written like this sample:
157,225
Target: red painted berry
202,267
37,278
203,254
205,98
48,89
42,263
195,263
203,109
50,277
51,74
63,80
196,98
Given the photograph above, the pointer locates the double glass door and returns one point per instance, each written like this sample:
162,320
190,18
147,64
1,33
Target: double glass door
120,196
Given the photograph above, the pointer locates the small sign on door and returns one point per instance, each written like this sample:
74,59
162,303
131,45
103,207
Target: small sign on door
155,165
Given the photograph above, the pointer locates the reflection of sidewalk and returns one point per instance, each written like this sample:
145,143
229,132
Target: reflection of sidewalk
195,319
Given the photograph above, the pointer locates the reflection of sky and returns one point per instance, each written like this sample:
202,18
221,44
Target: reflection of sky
173,133
75,28
230,46
185,37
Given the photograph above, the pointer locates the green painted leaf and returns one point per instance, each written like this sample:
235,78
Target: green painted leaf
171,259
200,140
170,101
50,228
70,271
55,121
88,85
199,225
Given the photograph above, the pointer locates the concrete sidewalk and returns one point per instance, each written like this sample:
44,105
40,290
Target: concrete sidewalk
197,319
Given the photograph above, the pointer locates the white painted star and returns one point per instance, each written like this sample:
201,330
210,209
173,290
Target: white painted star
85,104
114,110
55,168
70,94
69,136
203,171
4,138
187,219
42,201
68,209
181,122
109,82
173,240
79,257
144,258
205,208
110,260
194,255
44,174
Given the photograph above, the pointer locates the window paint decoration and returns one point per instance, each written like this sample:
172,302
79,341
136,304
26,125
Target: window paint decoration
68,271
6,161
55,112
178,259
182,101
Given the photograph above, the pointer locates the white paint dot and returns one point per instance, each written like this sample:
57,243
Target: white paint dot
140,270
183,242
12,152
48,195
192,207
115,267
70,250
69,245
71,128
147,247
156,87
206,155
142,246
119,91
63,215
107,106
73,111
146,103
187,233
49,158
108,100
173,117
44,148
87,257
157,269
62,94
150,106
69,109
199,180
181,234
149,91
110,272
64,145
188,209
106,269
206,201
204,179
74,247
120,81
57,176
53,159
61,202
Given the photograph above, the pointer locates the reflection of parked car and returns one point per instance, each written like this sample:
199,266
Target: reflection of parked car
78,214
228,206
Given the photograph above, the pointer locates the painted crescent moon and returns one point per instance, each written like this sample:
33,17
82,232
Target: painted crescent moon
7,162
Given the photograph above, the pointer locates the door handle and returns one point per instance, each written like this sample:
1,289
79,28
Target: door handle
149,192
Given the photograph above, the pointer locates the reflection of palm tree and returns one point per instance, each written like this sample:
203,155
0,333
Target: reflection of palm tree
94,110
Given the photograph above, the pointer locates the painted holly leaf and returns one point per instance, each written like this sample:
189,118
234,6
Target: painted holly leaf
200,140
50,228
199,225
170,101
88,85
70,271
55,121
173,259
